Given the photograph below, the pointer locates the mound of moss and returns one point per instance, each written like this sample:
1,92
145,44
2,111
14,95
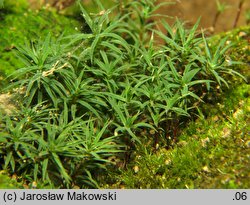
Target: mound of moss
20,25
213,150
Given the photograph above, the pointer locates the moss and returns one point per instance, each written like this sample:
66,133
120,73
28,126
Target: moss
14,6
211,153
22,24
8,183
213,150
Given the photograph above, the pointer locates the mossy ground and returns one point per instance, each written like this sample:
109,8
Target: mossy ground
211,152
20,25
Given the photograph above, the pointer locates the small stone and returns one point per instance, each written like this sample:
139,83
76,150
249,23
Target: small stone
215,118
168,162
242,34
136,169
157,146
34,185
205,169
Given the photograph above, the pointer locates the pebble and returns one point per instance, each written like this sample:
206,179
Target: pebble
242,34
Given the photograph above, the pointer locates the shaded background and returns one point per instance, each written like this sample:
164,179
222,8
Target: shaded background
189,10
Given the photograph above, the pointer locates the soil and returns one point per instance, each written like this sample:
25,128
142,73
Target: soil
191,10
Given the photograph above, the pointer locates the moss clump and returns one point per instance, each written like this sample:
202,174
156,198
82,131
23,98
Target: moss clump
213,150
107,104
19,24
8,183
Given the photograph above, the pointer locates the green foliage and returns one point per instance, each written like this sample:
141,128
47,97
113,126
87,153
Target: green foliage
216,61
164,169
41,61
14,6
7,183
221,7
39,143
1,3
247,16
20,24
84,97
212,152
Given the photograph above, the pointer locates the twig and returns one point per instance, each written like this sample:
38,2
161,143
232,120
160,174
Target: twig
238,13
52,70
